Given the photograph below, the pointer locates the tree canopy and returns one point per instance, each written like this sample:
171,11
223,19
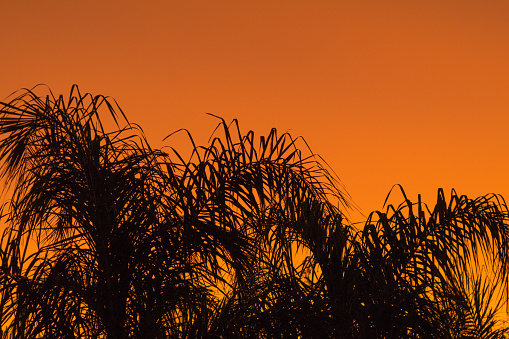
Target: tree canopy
106,237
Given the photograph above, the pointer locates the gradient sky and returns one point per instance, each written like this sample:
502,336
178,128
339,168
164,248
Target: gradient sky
387,92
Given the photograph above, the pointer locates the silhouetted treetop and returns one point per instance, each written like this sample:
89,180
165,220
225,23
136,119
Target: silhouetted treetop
106,237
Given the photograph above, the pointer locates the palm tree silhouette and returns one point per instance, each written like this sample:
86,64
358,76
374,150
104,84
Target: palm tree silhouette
106,237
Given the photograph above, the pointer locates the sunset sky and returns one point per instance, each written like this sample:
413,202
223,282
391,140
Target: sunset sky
387,92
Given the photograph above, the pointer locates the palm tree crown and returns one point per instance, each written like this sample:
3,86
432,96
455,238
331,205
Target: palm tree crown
106,237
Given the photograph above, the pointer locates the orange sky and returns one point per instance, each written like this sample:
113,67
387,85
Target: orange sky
408,92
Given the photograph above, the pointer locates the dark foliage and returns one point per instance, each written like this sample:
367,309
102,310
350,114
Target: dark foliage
105,237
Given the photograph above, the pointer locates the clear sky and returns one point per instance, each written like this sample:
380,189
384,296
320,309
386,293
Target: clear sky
387,92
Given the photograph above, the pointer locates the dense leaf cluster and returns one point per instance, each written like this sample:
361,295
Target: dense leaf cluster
105,237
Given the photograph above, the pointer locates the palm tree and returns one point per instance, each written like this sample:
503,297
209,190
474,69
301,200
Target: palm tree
85,209
434,273
106,237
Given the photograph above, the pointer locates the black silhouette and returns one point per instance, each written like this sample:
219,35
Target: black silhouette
106,237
